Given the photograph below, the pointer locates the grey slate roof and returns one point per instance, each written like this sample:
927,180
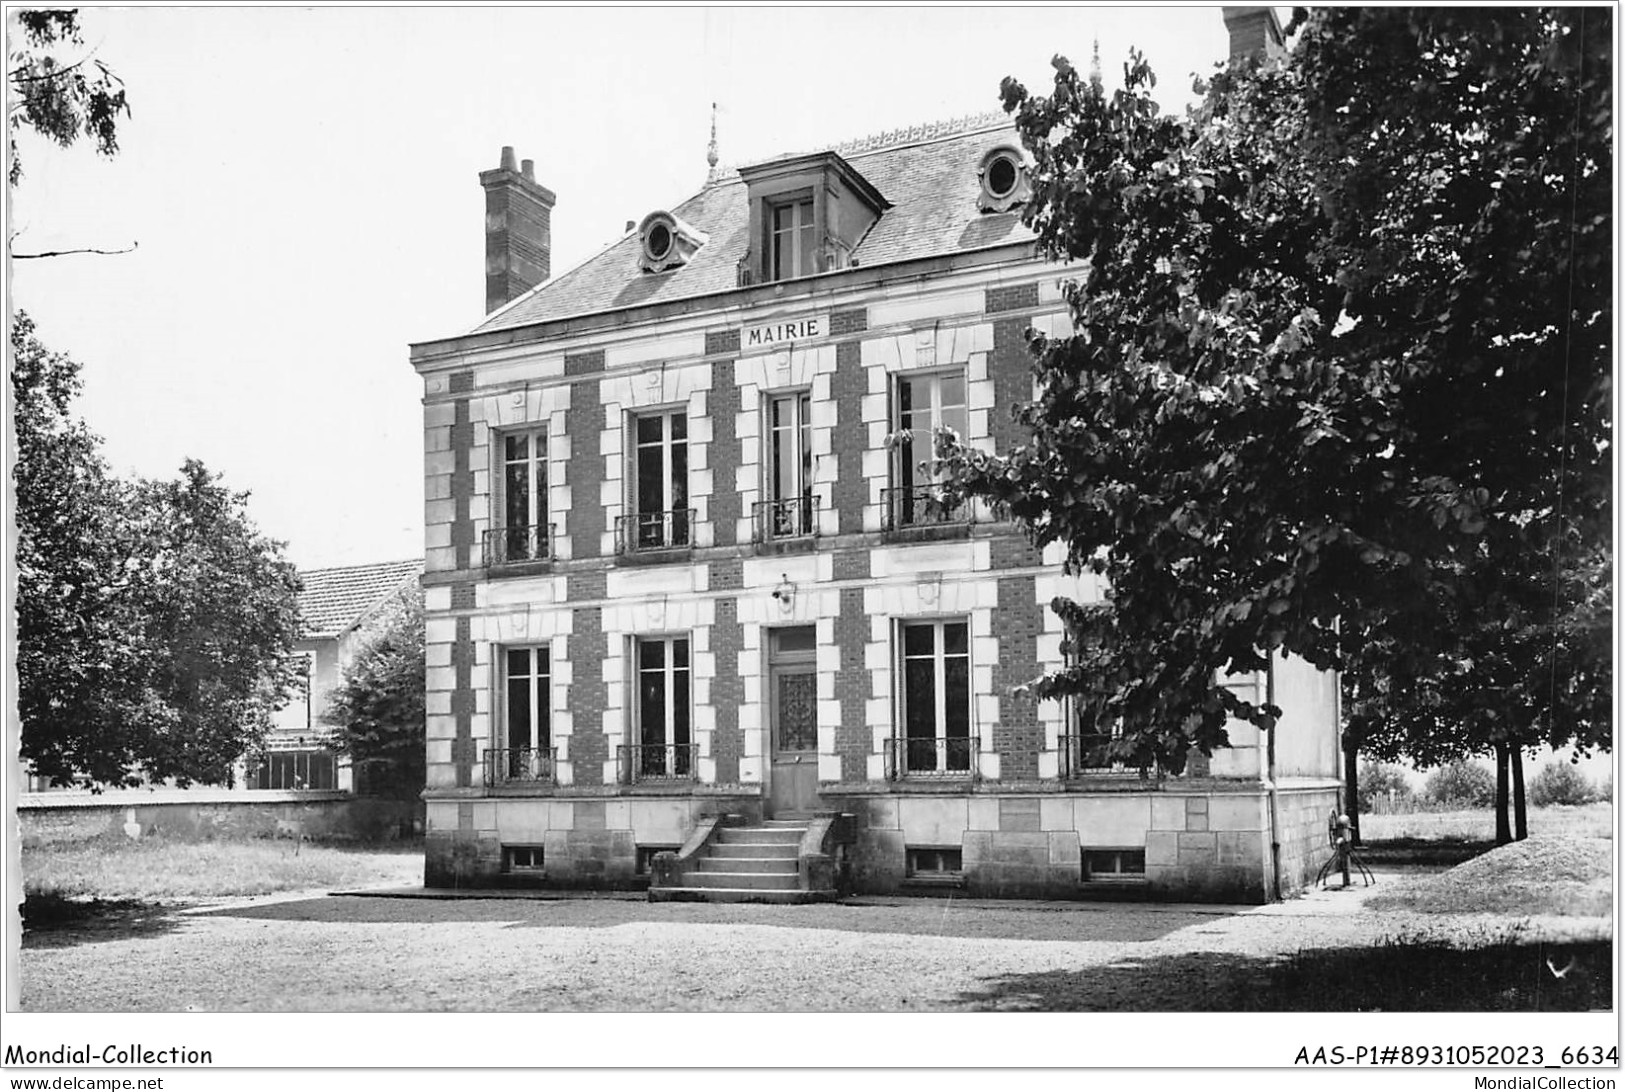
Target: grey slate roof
333,600
930,181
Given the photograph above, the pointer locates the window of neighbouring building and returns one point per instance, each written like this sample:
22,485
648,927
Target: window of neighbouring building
524,533
924,403
525,752
306,769
936,698
792,247
661,518
664,747
788,510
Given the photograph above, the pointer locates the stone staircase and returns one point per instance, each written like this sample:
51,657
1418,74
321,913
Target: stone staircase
757,863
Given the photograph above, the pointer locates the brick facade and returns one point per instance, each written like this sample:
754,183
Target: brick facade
853,738
851,437
727,691
1018,621
584,473
589,748
723,454
1013,297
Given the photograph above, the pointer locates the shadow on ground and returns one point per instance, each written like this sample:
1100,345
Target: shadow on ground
52,921
984,920
1389,978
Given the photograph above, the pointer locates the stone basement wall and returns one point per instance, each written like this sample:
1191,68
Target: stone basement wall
587,842
1303,814
56,819
1204,844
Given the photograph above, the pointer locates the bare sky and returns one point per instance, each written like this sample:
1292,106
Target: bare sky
302,184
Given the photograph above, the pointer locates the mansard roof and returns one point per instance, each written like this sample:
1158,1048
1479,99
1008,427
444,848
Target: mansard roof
928,174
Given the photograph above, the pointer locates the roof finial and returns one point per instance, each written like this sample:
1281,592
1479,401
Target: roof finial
711,149
1094,67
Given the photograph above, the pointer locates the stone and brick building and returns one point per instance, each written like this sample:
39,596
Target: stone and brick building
685,598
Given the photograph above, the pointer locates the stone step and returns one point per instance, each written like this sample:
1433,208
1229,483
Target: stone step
754,849
781,865
799,824
758,881
737,894
735,835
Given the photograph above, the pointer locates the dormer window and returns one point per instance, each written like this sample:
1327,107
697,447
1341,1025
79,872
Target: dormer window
1004,180
792,242
667,242
807,215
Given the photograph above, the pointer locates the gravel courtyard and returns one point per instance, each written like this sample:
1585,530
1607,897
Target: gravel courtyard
358,952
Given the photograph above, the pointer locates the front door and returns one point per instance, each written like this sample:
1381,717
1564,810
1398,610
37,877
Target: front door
793,711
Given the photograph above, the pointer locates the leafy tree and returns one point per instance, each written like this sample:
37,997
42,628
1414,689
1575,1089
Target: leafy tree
77,599
377,712
154,623
1560,783
1339,376
60,101
1380,781
1460,784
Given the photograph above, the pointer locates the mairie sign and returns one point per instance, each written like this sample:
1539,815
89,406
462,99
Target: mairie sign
779,334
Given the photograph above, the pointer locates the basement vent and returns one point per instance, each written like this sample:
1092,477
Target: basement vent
521,859
1109,865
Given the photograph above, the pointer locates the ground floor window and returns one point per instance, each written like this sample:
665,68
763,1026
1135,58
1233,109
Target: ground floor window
664,746
925,861
311,769
522,858
936,697
1113,864
526,751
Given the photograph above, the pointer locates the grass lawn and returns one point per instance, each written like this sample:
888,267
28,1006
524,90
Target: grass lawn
1478,825
155,870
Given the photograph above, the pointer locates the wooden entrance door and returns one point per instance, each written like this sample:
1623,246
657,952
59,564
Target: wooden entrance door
793,717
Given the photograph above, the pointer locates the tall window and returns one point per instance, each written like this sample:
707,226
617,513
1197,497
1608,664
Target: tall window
936,697
789,508
925,403
524,535
790,241
526,753
660,481
662,708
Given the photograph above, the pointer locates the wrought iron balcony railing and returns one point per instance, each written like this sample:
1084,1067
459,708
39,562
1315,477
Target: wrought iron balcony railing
520,765
1088,753
918,506
513,545
782,519
647,531
655,762
919,758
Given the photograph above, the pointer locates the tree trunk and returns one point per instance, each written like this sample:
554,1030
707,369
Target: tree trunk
1503,827
1520,810
1351,774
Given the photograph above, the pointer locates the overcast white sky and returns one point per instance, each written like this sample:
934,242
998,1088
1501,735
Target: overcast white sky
302,184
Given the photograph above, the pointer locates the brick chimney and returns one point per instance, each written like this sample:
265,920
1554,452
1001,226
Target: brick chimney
518,238
1254,32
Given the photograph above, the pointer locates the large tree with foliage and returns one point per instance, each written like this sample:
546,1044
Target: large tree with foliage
377,713
1340,368
57,89
155,624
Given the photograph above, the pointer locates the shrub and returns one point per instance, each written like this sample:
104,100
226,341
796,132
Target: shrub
1560,783
1377,781
1461,784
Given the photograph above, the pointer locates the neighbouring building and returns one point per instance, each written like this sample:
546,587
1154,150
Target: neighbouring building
337,608
692,623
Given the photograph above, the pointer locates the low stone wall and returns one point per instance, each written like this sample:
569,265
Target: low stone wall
209,815
1302,811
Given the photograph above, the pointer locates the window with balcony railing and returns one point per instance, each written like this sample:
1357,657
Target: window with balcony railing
524,754
658,516
664,749
924,404
523,533
788,509
935,740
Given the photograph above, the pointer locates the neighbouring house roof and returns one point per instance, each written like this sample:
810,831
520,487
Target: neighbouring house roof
927,173
333,601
